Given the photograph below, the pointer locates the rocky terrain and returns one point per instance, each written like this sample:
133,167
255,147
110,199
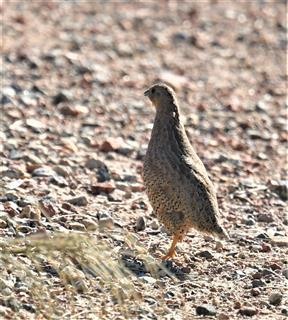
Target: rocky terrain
78,238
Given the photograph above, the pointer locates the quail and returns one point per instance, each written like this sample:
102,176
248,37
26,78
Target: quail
177,184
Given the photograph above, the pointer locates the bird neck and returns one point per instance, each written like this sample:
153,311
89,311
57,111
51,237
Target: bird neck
168,111
166,121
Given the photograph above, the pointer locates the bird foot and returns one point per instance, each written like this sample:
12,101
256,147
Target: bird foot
169,255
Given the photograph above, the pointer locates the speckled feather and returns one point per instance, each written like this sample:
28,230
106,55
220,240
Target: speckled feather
176,180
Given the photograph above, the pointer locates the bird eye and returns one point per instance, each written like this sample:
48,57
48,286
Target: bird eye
153,90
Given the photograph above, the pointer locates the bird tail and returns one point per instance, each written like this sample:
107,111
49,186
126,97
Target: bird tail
221,233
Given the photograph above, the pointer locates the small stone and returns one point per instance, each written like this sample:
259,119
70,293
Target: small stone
281,188
205,254
147,279
105,187
258,283
32,159
275,298
62,171
116,196
111,144
77,226
43,172
12,303
11,208
206,310
3,224
36,125
248,221
26,212
255,292
78,201
59,181
280,241
265,217
265,247
106,223
12,173
24,229
47,208
154,225
4,312
274,266
285,273
14,185
102,171
248,311
90,225
185,269
60,97
223,316
29,307
285,312
140,224
137,187
73,111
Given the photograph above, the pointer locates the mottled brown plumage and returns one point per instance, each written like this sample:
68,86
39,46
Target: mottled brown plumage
176,180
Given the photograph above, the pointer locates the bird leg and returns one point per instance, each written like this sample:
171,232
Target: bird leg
171,252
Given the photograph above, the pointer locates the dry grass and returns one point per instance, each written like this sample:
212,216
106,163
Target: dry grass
78,266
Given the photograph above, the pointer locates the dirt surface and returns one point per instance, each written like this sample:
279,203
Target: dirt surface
75,127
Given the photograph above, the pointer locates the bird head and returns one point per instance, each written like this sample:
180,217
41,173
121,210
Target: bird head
162,96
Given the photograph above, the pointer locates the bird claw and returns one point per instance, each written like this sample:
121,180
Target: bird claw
169,255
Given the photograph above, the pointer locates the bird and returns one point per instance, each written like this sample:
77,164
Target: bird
177,184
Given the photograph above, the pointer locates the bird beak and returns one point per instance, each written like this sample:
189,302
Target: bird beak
146,93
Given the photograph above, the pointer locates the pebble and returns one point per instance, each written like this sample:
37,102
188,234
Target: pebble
205,254
285,273
35,125
265,217
62,171
43,172
140,224
206,310
265,247
12,303
248,221
147,279
137,187
76,226
248,311
223,316
47,208
32,159
258,283
12,173
275,298
29,307
111,144
89,224
281,188
4,312
280,241
80,201
73,111
106,223
59,181
24,229
60,97
3,224
105,187
154,225
255,292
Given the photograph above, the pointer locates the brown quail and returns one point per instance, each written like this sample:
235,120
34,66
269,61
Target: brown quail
177,183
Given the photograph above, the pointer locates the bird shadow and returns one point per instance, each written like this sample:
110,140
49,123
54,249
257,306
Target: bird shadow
140,268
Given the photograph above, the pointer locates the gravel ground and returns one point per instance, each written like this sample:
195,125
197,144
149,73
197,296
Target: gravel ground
74,131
